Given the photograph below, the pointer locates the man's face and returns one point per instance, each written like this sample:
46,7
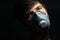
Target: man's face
37,7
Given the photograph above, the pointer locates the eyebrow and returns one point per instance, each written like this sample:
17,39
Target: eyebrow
39,7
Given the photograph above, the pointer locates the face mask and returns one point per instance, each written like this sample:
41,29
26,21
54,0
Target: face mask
41,19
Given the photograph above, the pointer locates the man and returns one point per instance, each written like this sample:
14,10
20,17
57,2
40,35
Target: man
27,28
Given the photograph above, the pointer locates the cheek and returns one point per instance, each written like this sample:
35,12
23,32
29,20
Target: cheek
30,17
43,10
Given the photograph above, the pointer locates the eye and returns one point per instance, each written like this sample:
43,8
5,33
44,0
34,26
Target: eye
38,8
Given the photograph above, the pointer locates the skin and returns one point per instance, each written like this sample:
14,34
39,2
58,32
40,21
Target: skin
37,7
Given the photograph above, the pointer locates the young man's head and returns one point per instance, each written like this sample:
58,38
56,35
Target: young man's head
25,11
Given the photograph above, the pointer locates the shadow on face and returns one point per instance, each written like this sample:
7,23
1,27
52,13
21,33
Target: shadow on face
37,6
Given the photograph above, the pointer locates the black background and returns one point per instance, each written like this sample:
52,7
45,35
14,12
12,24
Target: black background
8,21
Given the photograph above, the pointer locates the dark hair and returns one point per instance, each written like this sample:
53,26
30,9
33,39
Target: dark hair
23,5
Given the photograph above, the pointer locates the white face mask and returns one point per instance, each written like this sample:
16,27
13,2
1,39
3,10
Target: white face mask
41,19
